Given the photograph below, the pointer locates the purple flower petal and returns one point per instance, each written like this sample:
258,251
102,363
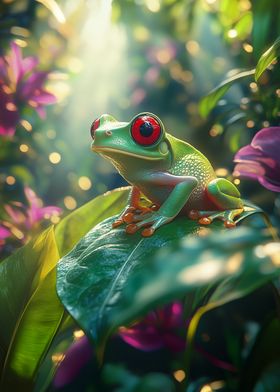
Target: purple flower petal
15,61
267,140
9,114
76,357
158,329
16,216
4,233
21,86
36,212
33,83
44,98
261,160
41,112
145,339
28,64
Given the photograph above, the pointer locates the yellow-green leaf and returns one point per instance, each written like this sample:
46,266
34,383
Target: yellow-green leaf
34,311
267,58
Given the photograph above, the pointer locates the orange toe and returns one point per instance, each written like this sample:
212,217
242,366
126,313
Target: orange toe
117,223
131,229
148,232
204,221
229,224
128,217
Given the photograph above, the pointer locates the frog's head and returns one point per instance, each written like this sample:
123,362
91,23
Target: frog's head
143,137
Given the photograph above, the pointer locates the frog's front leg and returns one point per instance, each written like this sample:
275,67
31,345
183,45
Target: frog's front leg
182,189
226,197
132,209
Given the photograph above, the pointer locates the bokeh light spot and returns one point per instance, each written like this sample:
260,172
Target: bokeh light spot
78,334
153,5
70,203
193,47
10,180
51,134
54,158
247,47
232,33
221,172
23,148
11,107
179,375
84,183
26,125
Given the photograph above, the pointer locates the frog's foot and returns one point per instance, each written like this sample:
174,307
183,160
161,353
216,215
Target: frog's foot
207,217
134,214
138,214
120,219
150,224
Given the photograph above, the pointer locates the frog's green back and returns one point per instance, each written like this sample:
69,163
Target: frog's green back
186,159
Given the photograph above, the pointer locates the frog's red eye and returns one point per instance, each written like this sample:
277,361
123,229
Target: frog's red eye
94,127
146,130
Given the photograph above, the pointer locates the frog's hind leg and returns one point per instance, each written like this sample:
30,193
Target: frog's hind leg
226,197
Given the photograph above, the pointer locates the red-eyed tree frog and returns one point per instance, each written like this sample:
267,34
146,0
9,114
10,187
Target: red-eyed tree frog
171,173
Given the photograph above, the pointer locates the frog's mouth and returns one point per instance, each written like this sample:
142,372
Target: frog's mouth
103,150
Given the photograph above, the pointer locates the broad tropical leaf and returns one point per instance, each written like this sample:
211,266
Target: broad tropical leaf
30,310
79,222
227,261
29,307
91,277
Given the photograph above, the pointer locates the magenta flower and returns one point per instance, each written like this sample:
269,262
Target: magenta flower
76,357
4,234
160,328
261,159
23,218
20,85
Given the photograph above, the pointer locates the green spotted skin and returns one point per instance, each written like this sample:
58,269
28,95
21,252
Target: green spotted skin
188,161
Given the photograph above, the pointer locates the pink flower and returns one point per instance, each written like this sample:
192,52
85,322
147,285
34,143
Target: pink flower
4,234
25,218
20,85
261,159
160,328
76,357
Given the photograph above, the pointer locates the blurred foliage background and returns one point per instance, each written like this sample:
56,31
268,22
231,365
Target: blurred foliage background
123,57
63,64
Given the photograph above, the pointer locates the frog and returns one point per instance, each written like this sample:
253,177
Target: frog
172,175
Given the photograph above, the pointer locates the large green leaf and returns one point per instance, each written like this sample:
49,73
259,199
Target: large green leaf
30,310
91,277
267,58
210,100
227,261
79,222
